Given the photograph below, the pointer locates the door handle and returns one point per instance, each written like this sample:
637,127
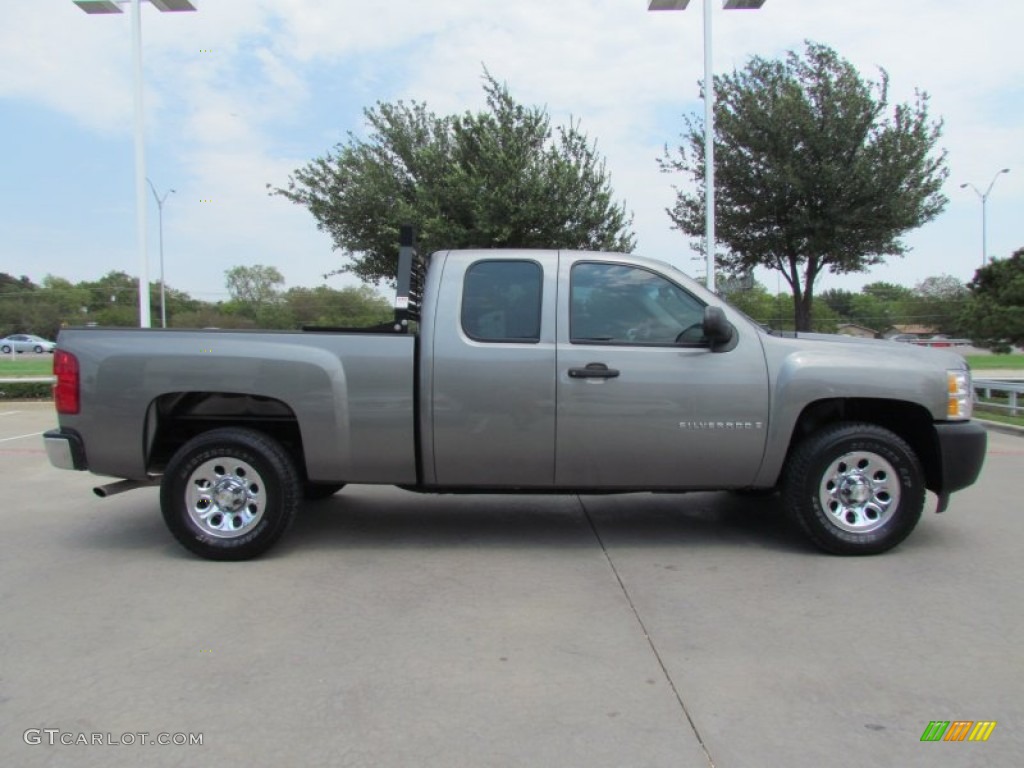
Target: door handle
593,371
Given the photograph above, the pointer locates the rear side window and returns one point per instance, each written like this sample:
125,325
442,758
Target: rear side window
501,301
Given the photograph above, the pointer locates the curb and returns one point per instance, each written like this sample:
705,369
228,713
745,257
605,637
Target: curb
998,426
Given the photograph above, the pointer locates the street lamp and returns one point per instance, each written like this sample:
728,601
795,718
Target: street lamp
984,216
114,6
160,210
709,116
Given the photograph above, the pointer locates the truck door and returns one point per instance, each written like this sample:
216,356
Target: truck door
490,376
643,402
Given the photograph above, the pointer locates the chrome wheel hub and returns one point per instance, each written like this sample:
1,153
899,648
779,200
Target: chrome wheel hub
859,492
225,497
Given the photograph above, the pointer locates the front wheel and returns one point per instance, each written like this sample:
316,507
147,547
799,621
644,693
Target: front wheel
5,349
229,494
855,489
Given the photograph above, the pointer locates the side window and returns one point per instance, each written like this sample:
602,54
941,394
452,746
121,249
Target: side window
501,301
618,304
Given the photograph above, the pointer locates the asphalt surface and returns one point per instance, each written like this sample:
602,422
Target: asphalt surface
390,629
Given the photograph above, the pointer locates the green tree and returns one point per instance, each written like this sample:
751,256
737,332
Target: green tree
498,178
840,301
61,303
254,289
940,302
348,308
209,316
17,298
276,315
114,300
774,311
11,284
994,313
755,302
882,305
813,170
888,292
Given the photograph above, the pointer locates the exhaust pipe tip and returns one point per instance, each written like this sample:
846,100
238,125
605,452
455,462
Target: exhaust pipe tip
111,489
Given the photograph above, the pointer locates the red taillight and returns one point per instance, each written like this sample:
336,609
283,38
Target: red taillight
65,391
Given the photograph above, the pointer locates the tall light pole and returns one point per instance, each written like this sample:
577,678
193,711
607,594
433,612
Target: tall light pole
160,213
984,215
709,116
114,6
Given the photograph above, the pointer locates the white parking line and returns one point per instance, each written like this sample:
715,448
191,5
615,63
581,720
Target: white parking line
19,437
10,413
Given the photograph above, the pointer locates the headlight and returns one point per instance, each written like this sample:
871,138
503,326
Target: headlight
960,394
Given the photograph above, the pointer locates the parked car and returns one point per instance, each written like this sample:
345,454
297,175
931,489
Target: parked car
25,342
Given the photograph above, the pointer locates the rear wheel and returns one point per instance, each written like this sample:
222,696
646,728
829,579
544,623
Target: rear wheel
855,489
6,349
230,494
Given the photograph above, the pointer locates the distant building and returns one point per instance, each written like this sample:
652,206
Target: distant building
918,331
860,331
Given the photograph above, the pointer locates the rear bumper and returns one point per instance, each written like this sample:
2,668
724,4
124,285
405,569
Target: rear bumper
962,452
65,449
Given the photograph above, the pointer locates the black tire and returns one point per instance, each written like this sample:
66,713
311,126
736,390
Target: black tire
230,494
315,491
5,349
855,489
38,350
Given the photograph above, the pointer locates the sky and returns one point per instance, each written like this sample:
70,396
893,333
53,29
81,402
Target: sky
243,92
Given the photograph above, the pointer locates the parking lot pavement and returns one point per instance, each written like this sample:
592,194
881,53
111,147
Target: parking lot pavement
390,629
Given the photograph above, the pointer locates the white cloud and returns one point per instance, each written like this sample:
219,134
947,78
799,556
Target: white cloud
229,87
61,58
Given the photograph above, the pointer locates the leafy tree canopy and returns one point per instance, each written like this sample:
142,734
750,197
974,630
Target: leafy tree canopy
940,302
112,300
350,307
502,177
255,285
10,284
815,171
994,313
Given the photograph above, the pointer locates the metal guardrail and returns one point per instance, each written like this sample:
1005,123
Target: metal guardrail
983,388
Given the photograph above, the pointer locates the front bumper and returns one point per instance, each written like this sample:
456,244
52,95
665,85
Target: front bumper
65,449
962,453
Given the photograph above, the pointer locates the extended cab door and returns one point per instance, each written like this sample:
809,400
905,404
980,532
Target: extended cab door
643,402
488,377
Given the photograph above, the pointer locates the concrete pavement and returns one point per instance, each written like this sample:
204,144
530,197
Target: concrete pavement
391,629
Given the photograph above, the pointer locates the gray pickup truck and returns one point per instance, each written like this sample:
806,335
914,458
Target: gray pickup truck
530,371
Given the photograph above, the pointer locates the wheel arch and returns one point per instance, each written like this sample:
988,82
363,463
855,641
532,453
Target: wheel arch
174,418
910,421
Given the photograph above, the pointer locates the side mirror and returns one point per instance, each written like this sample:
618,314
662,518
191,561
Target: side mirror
719,332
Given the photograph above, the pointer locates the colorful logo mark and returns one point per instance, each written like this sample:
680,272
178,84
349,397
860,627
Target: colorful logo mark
958,730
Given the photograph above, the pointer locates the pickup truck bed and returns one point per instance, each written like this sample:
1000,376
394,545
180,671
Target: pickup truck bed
350,396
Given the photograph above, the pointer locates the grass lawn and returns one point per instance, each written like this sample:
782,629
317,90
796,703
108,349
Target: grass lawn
1002,417
26,365
988,362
